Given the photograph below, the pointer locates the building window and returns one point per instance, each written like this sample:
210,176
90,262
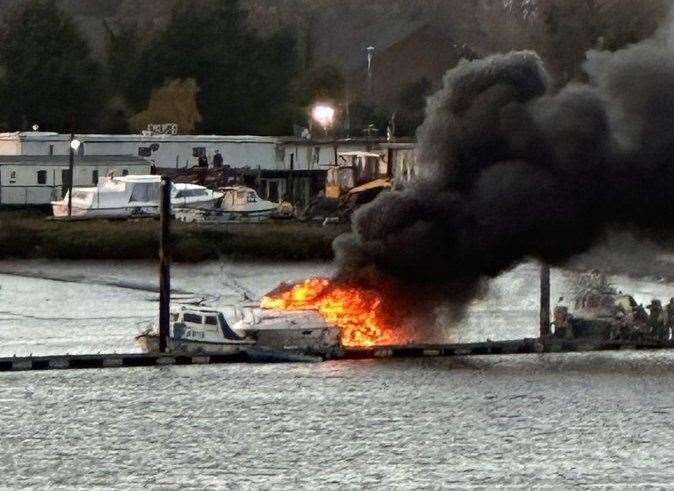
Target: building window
42,177
94,177
125,172
198,151
51,149
144,152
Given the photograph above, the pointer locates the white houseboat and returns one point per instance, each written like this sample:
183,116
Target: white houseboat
30,180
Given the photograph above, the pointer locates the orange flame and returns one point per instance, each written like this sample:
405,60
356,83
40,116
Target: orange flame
358,313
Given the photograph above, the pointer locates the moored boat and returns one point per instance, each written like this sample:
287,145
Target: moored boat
238,204
131,196
197,329
204,330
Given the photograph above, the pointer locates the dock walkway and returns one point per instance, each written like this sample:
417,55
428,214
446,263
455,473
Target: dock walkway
512,347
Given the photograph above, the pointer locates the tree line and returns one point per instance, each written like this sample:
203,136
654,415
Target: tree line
205,70
209,72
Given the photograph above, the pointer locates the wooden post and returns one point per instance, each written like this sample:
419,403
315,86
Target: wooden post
164,263
71,168
545,301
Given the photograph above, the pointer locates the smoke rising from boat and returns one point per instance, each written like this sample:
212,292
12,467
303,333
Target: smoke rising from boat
511,170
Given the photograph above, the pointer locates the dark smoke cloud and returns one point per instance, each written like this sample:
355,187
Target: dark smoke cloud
512,171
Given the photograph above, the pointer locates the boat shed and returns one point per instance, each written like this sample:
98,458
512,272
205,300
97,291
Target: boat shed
38,179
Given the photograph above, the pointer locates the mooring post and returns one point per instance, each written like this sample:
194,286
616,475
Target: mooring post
71,172
545,301
164,263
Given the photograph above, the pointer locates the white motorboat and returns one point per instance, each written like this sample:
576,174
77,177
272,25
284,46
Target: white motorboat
194,196
239,204
300,331
131,196
197,329
204,330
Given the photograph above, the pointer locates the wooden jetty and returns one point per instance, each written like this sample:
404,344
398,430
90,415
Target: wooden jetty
130,360
512,347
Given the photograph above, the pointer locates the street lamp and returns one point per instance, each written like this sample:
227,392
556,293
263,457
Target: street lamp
74,146
324,115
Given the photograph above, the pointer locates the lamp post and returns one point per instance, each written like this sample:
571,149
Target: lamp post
370,60
324,115
74,146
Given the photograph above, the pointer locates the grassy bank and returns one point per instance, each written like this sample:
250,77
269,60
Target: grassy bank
26,234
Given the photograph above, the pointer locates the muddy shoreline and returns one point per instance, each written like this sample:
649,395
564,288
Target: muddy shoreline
29,235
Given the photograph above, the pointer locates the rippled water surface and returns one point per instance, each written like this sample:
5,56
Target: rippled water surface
548,420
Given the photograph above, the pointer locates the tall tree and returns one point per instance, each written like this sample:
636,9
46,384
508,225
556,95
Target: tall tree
175,102
50,78
243,79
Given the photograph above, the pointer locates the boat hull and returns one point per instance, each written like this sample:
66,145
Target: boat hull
60,210
222,216
150,344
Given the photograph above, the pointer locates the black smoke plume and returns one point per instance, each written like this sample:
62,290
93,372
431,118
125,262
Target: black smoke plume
512,171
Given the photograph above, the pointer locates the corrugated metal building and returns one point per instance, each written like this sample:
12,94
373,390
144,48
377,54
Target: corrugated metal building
38,179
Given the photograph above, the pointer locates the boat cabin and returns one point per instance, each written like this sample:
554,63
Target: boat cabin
201,324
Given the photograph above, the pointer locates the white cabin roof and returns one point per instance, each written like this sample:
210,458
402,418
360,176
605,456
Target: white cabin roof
138,178
184,185
359,154
236,188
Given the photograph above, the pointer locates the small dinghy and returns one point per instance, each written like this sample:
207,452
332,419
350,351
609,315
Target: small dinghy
239,204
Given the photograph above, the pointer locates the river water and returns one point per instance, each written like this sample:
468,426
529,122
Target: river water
538,420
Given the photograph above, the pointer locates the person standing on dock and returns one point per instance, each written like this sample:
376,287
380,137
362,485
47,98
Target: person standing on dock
656,319
217,160
669,320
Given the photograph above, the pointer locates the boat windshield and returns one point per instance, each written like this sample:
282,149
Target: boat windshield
226,330
145,192
246,196
190,193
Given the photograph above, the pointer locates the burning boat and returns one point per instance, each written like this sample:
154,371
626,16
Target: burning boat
356,312
314,317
